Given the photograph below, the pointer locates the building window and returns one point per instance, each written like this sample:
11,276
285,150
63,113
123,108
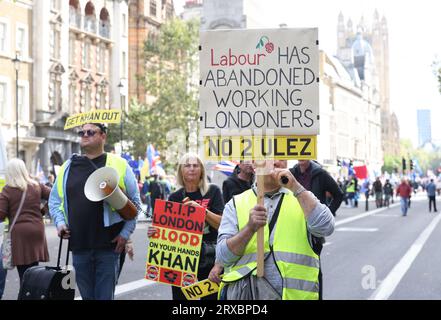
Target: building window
3,102
72,51
169,11
90,18
55,94
86,54
54,42
104,23
74,13
101,58
124,68
72,97
55,5
87,99
21,41
153,8
101,98
124,24
3,37
22,103
123,101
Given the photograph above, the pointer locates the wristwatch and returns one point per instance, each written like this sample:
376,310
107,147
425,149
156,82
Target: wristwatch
299,191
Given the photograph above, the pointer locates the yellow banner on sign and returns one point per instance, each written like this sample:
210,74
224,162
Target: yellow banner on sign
95,116
260,147
200,289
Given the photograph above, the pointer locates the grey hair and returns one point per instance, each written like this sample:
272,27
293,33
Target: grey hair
203,182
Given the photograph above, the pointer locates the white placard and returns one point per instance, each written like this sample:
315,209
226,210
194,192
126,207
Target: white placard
259,79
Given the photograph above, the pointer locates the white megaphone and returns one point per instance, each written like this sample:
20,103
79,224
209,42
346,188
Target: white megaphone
103,185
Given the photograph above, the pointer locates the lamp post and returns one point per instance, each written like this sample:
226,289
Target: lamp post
121,87
16,62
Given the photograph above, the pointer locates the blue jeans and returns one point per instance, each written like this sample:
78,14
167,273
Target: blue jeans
3,273
404,205
96,273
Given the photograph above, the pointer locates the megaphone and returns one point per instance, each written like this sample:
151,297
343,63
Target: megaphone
103,185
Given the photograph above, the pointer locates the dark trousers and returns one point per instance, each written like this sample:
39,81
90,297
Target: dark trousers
432,200
202,275
122,259
22,269
320,280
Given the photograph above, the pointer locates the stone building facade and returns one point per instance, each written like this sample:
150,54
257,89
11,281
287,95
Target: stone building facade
145,19
16,41
80,59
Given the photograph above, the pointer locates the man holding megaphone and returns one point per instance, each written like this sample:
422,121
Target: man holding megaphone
88,204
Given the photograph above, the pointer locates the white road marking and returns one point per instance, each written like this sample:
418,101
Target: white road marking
387,215
357,229
373,212
394,277
130,286
363,215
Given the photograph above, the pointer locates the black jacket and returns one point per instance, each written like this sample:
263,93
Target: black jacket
233,186
321,182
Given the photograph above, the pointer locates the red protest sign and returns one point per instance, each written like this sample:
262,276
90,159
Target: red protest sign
176,216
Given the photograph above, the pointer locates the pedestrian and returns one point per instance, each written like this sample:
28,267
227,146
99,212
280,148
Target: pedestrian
298,214
350,190
317,180
28,238
378,191
404,191
97,233
410,195
50,181
147,199
388,193
365,189
342,183
195,191
431,193
240,181
3,274
156,191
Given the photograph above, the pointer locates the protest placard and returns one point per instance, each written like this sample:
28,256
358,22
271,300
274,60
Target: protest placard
266,79
259,98
94,116
174,251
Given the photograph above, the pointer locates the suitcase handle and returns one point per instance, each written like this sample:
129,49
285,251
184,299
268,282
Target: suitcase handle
59,252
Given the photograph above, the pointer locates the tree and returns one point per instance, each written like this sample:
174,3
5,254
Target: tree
171,64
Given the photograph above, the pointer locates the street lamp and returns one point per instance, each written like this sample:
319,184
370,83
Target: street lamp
121,87
16,62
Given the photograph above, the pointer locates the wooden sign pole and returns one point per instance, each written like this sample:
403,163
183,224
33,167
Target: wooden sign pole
260,167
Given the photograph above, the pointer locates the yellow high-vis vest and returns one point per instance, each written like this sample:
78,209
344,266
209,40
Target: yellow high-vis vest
297,262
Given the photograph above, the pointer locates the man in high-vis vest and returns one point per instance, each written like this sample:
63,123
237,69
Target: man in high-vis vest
97,233
291,266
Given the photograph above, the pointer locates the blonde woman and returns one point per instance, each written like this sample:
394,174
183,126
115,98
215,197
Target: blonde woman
29,246
196,191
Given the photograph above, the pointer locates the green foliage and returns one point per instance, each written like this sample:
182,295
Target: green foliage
391,163
427,160
171,62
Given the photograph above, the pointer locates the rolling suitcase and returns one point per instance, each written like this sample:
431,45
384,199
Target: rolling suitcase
48,283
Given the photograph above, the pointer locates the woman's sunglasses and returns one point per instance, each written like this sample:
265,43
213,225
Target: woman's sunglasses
89,133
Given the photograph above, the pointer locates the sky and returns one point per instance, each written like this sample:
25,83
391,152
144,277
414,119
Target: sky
414,33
